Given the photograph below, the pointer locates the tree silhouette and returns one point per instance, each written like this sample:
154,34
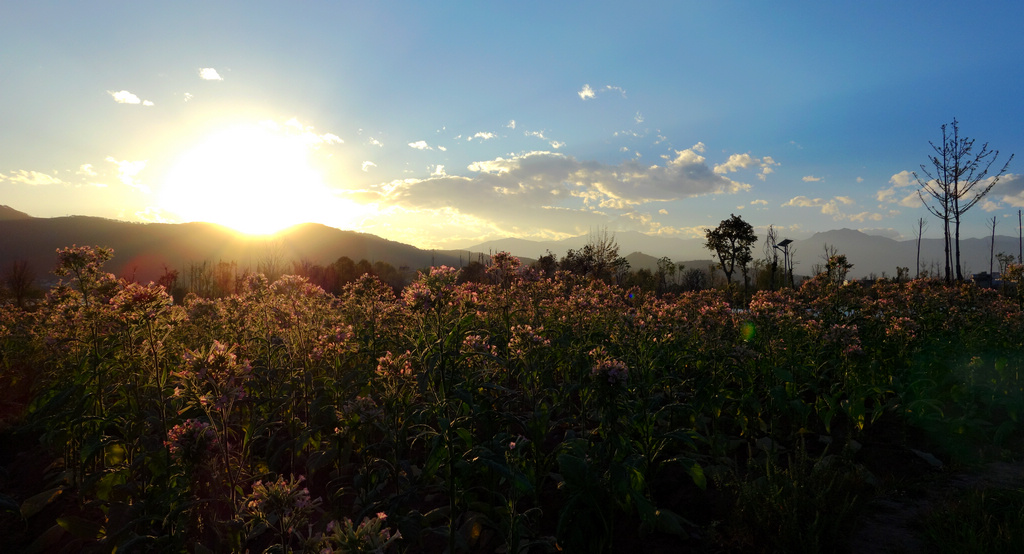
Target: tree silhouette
731,241
958,180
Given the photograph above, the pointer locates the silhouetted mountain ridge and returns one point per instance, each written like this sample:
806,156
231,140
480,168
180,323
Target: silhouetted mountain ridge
143,250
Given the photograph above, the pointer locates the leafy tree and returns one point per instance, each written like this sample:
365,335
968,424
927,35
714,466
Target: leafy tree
666,273
20,281
598,259
731,242
546,264
958,179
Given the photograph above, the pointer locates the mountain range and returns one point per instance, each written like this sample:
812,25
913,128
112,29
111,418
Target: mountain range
143,250
871,255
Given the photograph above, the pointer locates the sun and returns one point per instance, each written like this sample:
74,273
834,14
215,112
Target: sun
250,178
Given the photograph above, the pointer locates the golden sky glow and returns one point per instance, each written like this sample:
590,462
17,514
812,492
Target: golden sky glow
252,178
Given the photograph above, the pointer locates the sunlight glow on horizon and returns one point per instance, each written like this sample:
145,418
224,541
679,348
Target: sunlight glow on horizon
253,179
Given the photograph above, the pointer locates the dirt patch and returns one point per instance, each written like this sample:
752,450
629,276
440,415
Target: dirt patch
893,521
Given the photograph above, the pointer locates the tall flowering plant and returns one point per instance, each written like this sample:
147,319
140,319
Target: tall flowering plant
214,382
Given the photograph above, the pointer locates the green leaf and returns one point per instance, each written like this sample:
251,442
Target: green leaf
47,541
8,504
81,528
35,504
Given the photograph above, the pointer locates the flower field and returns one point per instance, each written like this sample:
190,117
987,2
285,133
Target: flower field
525,415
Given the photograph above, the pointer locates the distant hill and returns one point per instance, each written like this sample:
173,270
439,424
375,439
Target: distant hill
8,213
628,241
142,250
869,254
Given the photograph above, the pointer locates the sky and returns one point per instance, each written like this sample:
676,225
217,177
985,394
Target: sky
445,124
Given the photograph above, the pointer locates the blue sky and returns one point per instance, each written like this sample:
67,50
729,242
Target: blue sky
445,124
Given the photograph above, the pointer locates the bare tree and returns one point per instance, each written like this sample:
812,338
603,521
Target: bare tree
921,226
272,263
599,258
20,280
771,253
958,180
992,249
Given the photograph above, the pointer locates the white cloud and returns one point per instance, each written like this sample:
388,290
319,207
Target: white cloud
638,118
811,179
990,206
442,148
368,164
860,179
548,193
34,178
759,202
306,134
375,142
147,103
832,207
482,136
209,74
893,195
188,96
864,216
903,179
511,124
86,170
127,171
1010,189
907,200
420,145
124,97
744,161
587,92
438,171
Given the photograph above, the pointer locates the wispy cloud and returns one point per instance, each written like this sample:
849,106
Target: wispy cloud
833,207
127,172
811,179
304,133
367,165
745,161
556,144
614,88
209,74
33,178
588,92
125,97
